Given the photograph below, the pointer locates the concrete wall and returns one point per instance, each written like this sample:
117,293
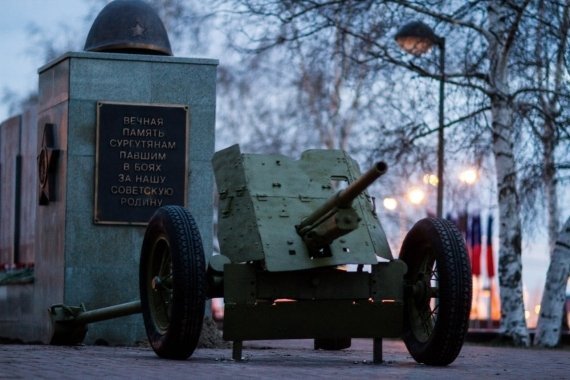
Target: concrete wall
18,188
29,186
18,203
9,150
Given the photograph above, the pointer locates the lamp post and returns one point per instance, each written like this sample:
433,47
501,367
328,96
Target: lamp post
417,38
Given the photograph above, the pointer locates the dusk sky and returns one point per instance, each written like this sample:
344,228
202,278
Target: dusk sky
19,64
19,74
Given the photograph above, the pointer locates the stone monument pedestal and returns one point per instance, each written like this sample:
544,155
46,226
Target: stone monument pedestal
119,135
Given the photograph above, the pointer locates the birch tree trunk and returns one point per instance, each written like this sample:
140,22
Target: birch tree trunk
549,180
513,323
549,325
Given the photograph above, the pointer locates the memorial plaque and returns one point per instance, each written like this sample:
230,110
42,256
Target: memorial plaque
141,161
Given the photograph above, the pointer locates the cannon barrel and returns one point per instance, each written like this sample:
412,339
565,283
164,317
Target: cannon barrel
343,198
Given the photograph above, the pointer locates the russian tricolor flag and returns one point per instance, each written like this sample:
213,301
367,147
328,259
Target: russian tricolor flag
476,245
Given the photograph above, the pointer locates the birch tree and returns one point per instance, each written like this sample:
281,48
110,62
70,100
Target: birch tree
548,119
503,27
544,111
549,325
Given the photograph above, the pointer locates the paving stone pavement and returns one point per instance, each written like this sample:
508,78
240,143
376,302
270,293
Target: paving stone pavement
287,359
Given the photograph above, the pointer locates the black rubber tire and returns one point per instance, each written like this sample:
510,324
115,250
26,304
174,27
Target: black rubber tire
438,291
172,282
332,344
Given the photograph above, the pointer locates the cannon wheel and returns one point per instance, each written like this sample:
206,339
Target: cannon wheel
438,291
172,283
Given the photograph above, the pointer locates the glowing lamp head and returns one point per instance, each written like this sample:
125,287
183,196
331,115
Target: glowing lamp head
416,38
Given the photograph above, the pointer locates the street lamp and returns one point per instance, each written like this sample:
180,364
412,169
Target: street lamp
469,176
417,38
390,203
416,196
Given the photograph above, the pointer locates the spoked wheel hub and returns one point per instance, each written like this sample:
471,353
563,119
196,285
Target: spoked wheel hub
423,292
423,302
160,296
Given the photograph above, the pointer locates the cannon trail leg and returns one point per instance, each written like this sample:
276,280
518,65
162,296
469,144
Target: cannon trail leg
110,312
70,322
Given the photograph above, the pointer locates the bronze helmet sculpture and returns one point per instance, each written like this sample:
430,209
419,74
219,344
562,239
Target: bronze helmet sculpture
128,26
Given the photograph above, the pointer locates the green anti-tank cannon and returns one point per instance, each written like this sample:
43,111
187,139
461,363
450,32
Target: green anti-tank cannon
289,231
